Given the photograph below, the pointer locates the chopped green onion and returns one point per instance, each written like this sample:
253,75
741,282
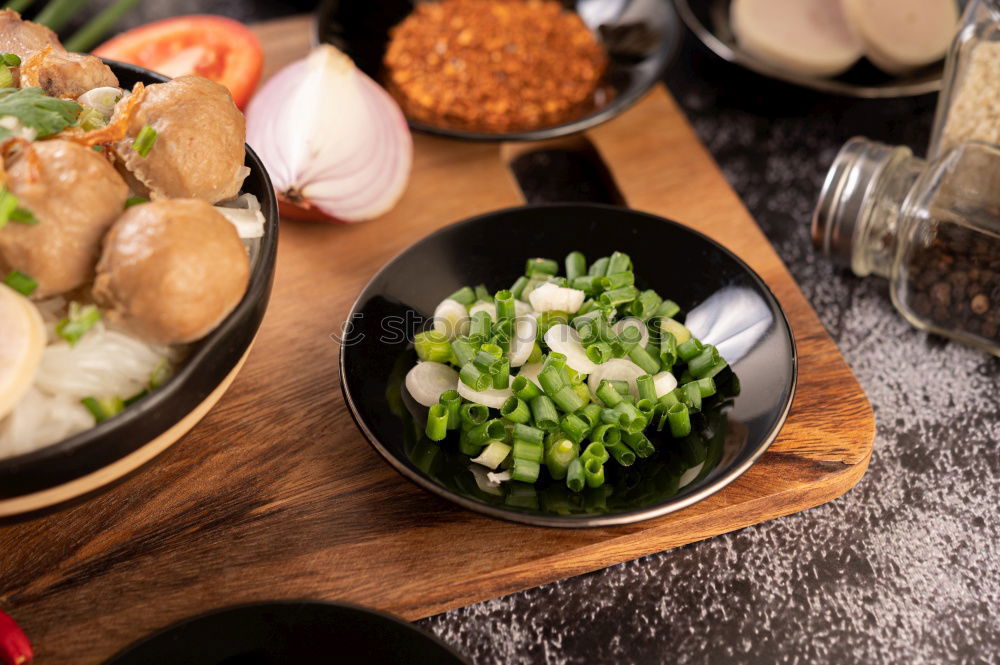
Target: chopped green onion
134,200
6,77
474,414
641,357
606,393
11,212
704,361
528,433
80,319
144,141
528,450
467,446
668,350
452,401
606,433
437,422
645,385
576,265
628,338
593,472
464,295
617,281
524,470
618,296
567,399
599,268
646,407
706,386
638,442
575,478
465,351
515,410
432,345
525,388
688,349
547,266
536,354
482,325
558,458
471,376
10,59
485,360
552,379
680,420
90,119
504,301
517,290
619,262
20,282
644,307
544,413
574,426
596,450
491,430
622,454
589,285
667,309
103,408
599,352
590,413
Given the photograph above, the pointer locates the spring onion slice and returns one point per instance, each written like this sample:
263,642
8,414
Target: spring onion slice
564,339
451,318
428,380
663,383
493,455
616,369
523,340
491,397
549,297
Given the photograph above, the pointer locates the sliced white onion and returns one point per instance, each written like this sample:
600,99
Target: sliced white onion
335,144
564,339
633,322
616,369
493,455
525,333
102,100
550,297
491,397
451,318
427,380
663,383
484,306
531,372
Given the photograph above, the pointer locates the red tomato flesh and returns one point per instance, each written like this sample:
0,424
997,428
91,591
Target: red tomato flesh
215,47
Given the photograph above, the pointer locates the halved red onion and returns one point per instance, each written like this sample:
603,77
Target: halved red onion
335,144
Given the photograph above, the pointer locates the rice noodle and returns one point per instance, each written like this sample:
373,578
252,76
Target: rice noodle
244,213
40,420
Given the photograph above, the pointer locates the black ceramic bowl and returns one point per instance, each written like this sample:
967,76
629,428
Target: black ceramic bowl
641,37
88,461
286,633
678,262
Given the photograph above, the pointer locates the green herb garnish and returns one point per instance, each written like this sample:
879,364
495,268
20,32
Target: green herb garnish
103,408
21,283
10,59
36,110
11,212
144,140
80,320
134,201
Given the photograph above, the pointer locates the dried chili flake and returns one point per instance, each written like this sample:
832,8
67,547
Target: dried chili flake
495,65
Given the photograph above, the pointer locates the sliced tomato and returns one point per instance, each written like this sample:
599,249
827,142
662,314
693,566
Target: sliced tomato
215,47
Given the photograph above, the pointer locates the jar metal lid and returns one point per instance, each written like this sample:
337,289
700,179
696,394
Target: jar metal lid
847,192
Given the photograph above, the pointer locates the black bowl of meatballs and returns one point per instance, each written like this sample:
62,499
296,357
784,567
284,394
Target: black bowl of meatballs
143,230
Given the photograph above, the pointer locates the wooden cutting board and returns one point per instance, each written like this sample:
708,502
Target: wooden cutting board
277,495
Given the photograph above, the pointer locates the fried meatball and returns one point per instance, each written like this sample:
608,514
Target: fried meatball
63,74
171,270
23,38
199,148
75,195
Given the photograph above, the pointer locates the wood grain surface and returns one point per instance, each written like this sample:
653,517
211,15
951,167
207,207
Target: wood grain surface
276,494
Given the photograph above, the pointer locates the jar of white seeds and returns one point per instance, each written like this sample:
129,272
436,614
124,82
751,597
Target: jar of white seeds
969,106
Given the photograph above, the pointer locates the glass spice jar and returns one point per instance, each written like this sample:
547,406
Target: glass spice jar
931,228
969,106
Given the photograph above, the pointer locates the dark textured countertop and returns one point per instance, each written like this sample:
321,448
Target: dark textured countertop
902,569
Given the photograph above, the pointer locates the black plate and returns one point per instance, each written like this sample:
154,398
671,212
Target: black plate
641,37
709,21
678,262
290,633
210,361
